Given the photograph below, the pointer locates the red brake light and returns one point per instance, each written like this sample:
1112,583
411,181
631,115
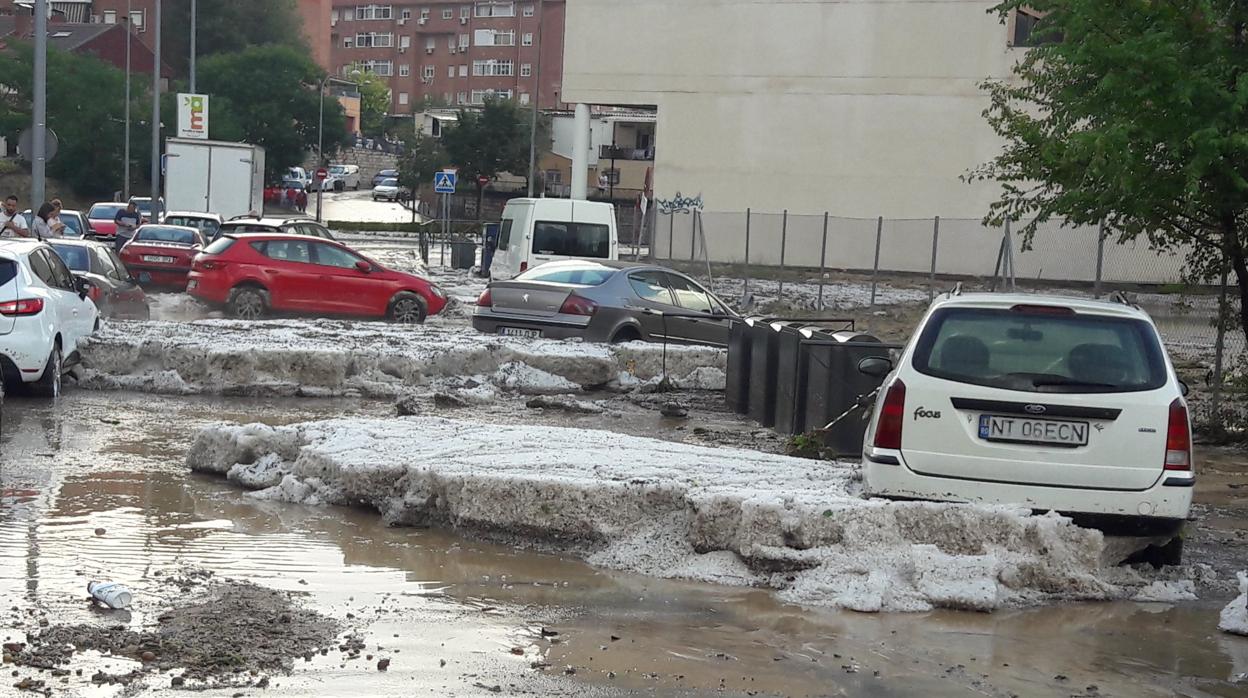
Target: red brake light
1178,438
206,264
485,300
94,293
25,306
578,305
1042,310
892,414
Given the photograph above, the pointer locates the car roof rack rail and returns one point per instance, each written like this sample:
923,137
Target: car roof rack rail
1121,298
955,291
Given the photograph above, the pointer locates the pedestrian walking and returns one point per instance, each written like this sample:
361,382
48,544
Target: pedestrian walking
12,223
303,201
127,221
41,225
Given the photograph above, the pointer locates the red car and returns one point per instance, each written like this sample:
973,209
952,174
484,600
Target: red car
160,255
252,275
103,218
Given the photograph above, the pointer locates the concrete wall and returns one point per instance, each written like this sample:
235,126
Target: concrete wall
370,162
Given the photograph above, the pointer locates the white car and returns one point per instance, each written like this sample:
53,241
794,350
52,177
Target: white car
1053,403
387,189
345,177
45,315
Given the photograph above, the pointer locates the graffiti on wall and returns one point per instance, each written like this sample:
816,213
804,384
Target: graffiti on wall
679,204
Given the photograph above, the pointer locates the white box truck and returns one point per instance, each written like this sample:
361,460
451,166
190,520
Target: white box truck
214,177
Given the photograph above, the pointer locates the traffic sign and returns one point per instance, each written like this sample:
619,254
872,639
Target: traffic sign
322,174
482,181
444,182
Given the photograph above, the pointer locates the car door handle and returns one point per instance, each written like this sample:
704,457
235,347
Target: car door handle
270,271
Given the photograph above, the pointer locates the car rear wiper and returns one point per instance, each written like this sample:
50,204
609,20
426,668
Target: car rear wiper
1071,382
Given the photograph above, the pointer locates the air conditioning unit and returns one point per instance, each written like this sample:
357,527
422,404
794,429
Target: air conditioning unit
402,21
454,50
402,50
429,51
423,21
463,20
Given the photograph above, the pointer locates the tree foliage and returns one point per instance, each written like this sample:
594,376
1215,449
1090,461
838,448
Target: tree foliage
86,99
227,26
1135,113
268,96
374,102
491,141
423,157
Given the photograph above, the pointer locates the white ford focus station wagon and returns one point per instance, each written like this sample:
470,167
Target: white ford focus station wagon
1053,403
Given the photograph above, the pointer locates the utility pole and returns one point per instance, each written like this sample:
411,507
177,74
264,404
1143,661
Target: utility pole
38,140
156,121
125,185
193,32
537,100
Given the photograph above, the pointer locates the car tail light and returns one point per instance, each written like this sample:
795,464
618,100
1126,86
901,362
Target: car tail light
1042,310
207,264
25,306
486,299
93,292
892,414
524,266
578,305
1178,438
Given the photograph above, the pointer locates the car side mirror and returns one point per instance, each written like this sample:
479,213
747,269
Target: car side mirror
875,366
363,267
83,286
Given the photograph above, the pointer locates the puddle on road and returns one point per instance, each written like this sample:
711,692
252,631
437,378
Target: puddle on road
471,604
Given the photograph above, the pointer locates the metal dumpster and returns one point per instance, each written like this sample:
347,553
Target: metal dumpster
463,254
834,384
737,388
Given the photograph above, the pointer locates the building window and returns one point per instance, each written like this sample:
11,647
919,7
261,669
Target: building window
479,96
527,40
374,40
496,9
450,43
430,43
448,97
528,10
613,177
1029,30
403,98
462,98
404,70
363,12
405,42
493,68
463,71
524,97
382,68
448,13
347,42
406,14
427,72
348,15
450,71
526,70
424,14
136,20
463,41
110,16
554,176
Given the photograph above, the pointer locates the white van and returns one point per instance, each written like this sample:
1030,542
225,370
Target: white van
345,177
536,231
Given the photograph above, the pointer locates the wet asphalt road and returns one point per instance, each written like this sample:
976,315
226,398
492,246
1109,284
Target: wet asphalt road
115,462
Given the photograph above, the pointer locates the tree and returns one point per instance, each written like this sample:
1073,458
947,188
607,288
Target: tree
374,101
227,26
486,143
423,156
268,96
1134,113
86,98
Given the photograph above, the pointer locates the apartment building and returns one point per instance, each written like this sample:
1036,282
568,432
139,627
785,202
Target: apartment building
454,51
142,12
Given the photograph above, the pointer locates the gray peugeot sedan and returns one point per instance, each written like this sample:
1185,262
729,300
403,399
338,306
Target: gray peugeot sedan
604,301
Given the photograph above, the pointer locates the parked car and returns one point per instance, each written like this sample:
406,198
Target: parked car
102,216
206,223
330,183
536,231
161,254
44,316
1054,403
252,275
385,174
76,223
604,302
289,226
389,190
144,203
298,174
115,292
345,177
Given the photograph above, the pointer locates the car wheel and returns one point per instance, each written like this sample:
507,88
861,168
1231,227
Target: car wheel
49,384
626,334
248,303
408,309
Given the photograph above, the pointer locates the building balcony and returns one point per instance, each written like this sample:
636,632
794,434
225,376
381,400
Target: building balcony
609,152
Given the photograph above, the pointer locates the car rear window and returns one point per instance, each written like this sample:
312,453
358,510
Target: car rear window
219,246
247,228
75,257
1036,350
159,234
571,239
207,225
8,270
584,276
105,211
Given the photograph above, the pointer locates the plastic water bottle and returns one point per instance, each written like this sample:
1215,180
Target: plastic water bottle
110,594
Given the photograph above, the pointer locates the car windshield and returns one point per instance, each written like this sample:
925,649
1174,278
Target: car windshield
571,239
72,221
581,276
337,169
75,257
390,182
102,212
153,233
1041,349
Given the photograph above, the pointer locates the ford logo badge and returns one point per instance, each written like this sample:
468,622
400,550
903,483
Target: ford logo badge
1035,409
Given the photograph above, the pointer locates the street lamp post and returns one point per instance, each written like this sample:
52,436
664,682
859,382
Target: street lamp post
125,169
38,140
193,37
537,100
156,121
320,133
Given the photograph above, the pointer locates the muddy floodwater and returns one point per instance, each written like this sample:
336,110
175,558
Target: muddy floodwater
96,488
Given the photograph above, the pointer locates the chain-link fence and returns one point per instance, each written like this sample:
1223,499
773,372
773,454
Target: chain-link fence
779,250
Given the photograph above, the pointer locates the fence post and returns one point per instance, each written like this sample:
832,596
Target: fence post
875,267
671,232
746,290
693,238
1219,346
637,223
823,258
1100,258
931,279
784,235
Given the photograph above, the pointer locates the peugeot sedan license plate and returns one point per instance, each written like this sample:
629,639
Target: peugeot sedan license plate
158,259
519,332
1024,430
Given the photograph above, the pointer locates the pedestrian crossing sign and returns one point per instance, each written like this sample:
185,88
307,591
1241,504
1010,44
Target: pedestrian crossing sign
444,182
